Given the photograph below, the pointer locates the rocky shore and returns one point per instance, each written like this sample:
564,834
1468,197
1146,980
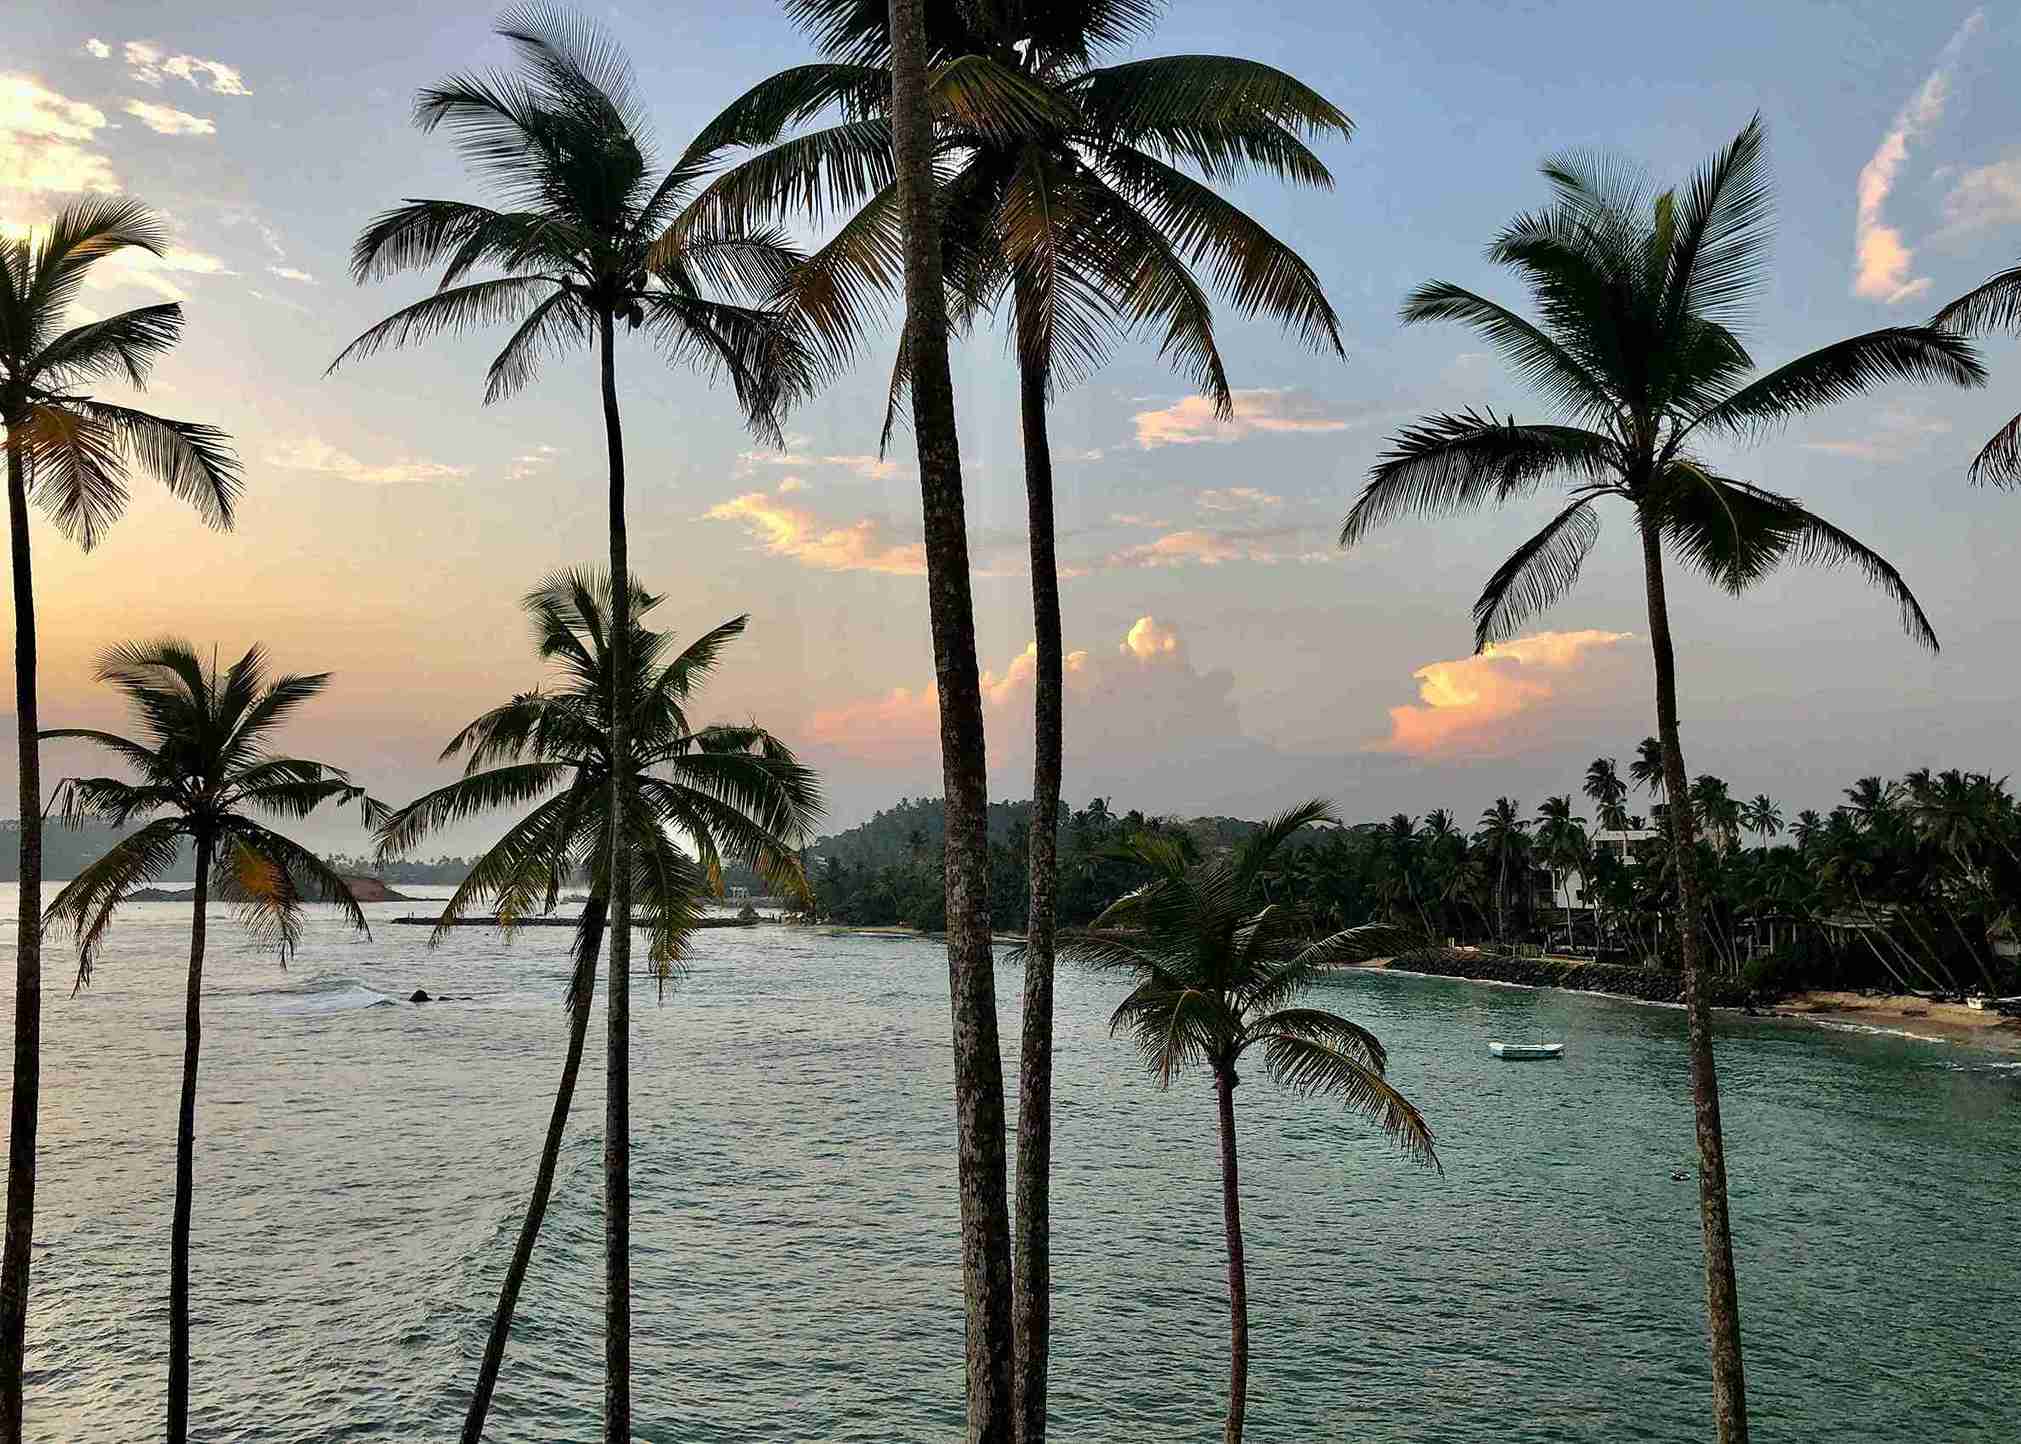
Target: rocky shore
1649,985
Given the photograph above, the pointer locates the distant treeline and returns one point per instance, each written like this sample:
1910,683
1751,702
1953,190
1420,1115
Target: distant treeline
435,870
68,850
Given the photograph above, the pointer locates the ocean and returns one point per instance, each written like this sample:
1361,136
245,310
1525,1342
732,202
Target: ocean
362,1163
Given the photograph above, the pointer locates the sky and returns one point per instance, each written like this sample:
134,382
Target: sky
1226,657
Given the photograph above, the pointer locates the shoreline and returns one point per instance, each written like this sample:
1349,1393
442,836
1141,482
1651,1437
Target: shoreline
1898,1015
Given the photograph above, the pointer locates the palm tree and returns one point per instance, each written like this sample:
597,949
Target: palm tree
1714,810
1082,202
1608,792
1994,305
728,791
1638,297
971,963
70,453
588,237
1807,827
1503,837
203,765
1762,817
1216,970
1647,769
1561,839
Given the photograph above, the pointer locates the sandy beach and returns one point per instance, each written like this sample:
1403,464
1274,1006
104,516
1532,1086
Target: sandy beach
1950,1022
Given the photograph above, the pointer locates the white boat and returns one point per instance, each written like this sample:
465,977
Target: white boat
1521,1052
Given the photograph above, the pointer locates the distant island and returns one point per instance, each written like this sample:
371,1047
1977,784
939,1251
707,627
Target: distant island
365,889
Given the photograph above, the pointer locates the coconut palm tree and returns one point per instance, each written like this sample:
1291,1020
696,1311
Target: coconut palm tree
1608,792
1635,348
1216,971
1504,838
590,234
1561,841
71,454
1646,771
971,961
1714,810
1083,205
1994,305
725,791
203,766
1762,817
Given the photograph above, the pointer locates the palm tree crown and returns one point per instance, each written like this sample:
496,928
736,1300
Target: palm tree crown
78,448
1638,300
1994,305
587,230
723,791
202,767
1084,191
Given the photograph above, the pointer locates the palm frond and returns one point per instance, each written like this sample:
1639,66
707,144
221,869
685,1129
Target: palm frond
1312,1068
1999,461
1539,360
87,902
1843,370
1992,305
1536,575
461,308
1453,463
125,346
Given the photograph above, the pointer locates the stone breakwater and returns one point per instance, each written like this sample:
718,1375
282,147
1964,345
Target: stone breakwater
1650,985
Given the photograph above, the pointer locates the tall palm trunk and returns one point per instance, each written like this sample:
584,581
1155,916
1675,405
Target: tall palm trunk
978,1065
185,1157
1238,1276
581,988
617,1142
1033,1260
27,967
1722,1292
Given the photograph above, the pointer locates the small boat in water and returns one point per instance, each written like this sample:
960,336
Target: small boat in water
1523,1052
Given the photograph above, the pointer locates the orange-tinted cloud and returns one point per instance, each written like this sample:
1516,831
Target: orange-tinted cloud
786,530
45,141
1191,418
1488,704
309,453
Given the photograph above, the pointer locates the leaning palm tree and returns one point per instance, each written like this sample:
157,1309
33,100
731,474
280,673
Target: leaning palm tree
1994,305
725,791
1081,204
580,245
1638,297
203,766
70,453
1216,971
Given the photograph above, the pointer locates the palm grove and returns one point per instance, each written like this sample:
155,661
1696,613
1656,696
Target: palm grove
973,162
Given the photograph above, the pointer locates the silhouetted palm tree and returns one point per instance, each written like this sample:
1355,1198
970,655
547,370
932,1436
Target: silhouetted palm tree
726,791
202,767
71,454
589,236
1608,792
1762,817
1215,971
971,961
1503,838
1561,841
1994,305
1637,298
1081,202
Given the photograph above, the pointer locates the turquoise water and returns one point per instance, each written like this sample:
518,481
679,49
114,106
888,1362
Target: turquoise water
361,1165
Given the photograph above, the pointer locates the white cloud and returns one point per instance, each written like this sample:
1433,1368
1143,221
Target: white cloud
45,139
1893,435
1210,546
1191,419
1882,259
313,454
155,273
532,462
167,120
1238,498
874,468
97,48
1989,195
146,63
289,273
786,530
1114,697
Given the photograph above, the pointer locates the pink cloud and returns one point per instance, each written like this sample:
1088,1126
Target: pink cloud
1496,702
794,532
1191,419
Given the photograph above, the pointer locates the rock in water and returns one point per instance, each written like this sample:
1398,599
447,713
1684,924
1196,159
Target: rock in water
420,996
